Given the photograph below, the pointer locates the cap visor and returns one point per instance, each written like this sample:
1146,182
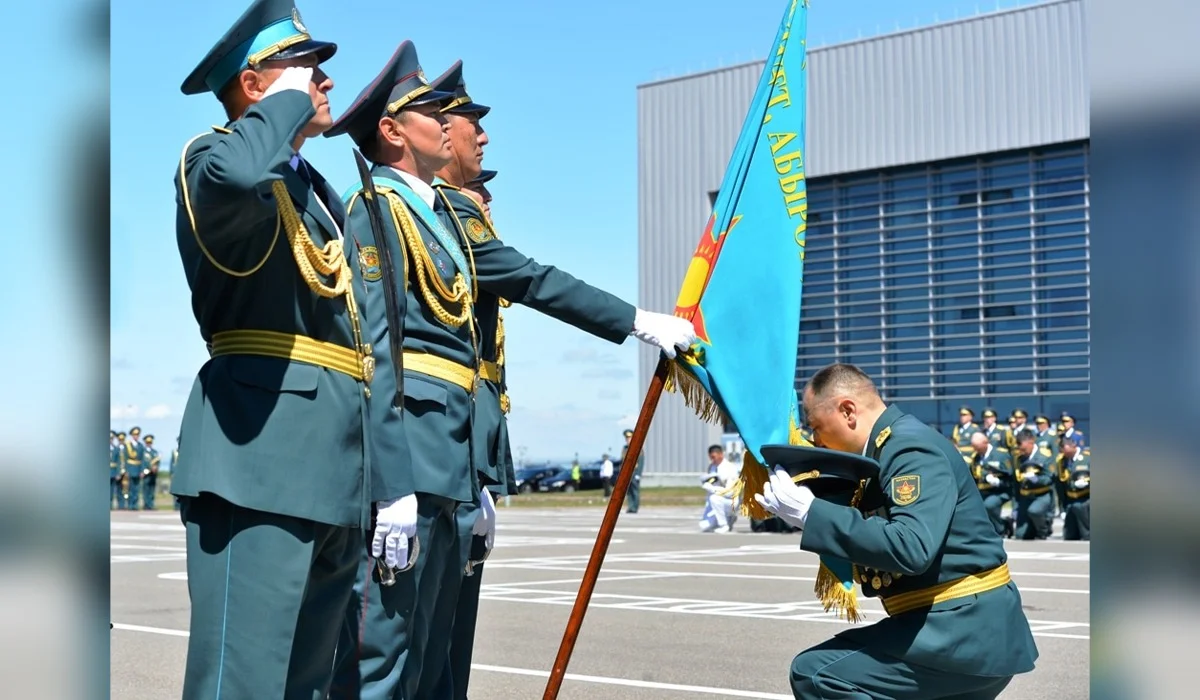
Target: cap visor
323,49
470,108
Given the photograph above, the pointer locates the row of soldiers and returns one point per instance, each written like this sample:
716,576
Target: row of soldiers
1044,473
133,463
348,432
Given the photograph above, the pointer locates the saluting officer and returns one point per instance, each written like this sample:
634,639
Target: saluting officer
503,274
919,539
992,468
1035,478
274,481
1075,470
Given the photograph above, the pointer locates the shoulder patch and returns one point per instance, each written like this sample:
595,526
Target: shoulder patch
905,489
477,231
368,262
883,437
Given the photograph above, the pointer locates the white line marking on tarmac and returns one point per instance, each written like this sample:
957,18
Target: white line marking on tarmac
627,682
709,574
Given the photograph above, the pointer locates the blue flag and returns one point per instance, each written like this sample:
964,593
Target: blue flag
742,289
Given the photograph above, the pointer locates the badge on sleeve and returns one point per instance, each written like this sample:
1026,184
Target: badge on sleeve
476,231
906,489
368,260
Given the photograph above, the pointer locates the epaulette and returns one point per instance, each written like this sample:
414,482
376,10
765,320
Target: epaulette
1045,451
883,437
222,130
446,185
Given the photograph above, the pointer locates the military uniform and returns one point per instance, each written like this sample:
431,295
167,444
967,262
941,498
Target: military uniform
996,491
1076,474
150,474
924,527
998,435
274,478
394,640
116,470
961,435
1035,504
135,467
633,495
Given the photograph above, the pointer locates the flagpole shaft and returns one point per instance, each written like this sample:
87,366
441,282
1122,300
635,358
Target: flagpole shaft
604,537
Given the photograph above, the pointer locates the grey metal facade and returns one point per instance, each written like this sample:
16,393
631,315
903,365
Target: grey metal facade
897,124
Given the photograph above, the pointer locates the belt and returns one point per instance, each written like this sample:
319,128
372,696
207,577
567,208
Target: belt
490,371
1035,491
959,588
134,462
440,368
287,346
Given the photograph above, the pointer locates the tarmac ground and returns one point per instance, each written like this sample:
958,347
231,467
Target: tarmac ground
677,613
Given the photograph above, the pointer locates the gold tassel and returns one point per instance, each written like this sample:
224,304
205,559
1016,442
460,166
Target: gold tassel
753,477
835,596
681,381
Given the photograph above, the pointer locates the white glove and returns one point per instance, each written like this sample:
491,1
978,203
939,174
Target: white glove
664,331
292,78
395,522
992,479
1029,477
1081,483
485,521
785,498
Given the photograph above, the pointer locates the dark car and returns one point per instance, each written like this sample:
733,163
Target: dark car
589,480
528,479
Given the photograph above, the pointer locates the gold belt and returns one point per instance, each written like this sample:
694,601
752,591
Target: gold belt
293,347
959,588
440,368
1035,491
133,462
490,371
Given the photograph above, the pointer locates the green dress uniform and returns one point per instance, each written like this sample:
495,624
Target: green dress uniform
394,639
633,496
1077,475
922,543
274,478
996,462
115,470
1035,504
503,275
150,474
998,436
135,464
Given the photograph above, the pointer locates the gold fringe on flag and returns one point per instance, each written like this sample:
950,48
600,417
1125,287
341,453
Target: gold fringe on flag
681,381
834,594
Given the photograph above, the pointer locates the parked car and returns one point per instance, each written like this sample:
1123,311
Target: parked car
528,479
589,480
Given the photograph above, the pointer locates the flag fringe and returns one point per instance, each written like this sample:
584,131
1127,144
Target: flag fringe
694,395
834,595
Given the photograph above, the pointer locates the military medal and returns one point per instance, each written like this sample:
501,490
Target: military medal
876,583
887,579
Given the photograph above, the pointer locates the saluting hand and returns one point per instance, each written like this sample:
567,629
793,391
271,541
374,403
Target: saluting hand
291,78
785,498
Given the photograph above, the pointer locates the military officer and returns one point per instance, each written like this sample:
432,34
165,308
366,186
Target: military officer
1075,470
992,468
135,465
504,274
921,541
274,479
964,430
1035,479
633,495
482,195
1070,431
150,473
115,471
997,434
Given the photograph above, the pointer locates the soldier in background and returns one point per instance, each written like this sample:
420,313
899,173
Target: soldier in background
997,434
633,496
964,430
1069,430
116,470
135,463
150,474
1075,471
992,468
1035,503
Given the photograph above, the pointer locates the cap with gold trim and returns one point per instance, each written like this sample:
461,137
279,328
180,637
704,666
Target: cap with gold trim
269,30
832,471
452,81
484,177
401,84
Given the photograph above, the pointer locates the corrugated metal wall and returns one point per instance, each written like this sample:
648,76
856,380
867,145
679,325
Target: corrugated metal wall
1007,80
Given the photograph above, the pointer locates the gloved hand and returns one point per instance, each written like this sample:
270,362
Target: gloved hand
1081,483
992,479
485,521
663,331
395,522
1029,477
785,498
292,78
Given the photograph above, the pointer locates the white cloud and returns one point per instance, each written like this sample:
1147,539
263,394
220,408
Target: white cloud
118,412
159,410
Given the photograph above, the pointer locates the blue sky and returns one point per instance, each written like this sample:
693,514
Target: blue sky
561,79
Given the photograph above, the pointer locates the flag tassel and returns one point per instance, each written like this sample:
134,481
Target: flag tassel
682,382
837,595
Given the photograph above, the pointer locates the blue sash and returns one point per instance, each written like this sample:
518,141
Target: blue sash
425,212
